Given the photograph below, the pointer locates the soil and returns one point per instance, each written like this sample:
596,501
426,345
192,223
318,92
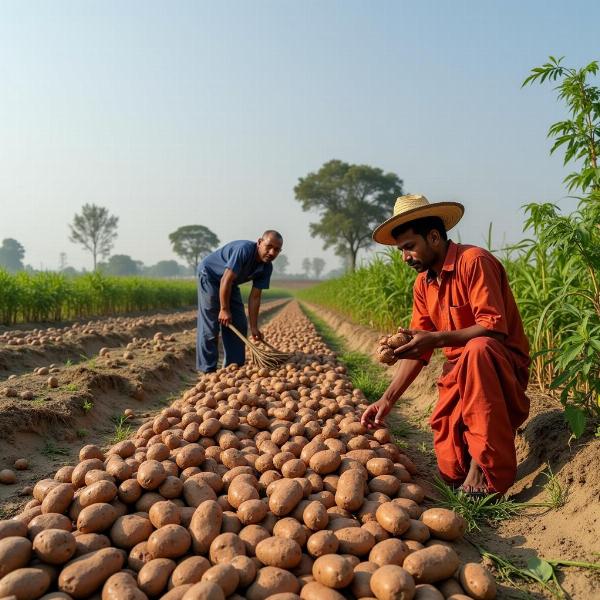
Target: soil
49,429
571,532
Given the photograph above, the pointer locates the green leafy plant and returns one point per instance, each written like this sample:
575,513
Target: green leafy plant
87,405
122,429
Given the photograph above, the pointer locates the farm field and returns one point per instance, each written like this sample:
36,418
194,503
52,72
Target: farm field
262,476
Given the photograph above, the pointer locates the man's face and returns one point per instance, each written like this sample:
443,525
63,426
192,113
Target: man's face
269,248
417,252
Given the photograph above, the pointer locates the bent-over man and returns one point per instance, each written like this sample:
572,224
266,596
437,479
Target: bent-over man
462,302
220,302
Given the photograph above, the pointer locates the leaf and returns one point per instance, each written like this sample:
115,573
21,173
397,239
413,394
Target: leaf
540,568
576,418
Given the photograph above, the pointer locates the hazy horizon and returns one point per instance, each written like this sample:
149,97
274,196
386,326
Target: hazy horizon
208,113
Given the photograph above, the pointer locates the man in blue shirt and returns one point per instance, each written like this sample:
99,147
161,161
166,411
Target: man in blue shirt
220,301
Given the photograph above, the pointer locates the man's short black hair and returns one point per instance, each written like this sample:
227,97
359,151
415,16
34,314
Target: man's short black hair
422,227
272,232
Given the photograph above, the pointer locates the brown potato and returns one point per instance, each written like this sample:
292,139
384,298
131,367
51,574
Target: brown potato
164,513
251,535
477,581
321,543
292,529
286,495
325,461
11,528
361,583
54,546
205,525
393,518
279,552
153,576
48,521
315,516
83,576
392,582
58,499
89,542
246,570
170,541
270,581
425,591
101,491
189,570
122,585
15,553
129,530
389,552
25,584
225,547
204,590
349,494
317,591
432,564
151,474
333,570
444,524
96,518
196,491
354,540
225,576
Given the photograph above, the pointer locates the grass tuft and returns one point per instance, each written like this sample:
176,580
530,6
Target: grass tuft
556,494
122,429
51,450
489,510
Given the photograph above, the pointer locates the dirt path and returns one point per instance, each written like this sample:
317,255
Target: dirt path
573,531
87,405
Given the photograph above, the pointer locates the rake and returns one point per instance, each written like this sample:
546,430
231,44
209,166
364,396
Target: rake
269,359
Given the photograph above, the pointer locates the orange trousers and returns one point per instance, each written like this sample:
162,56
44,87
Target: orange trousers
481,403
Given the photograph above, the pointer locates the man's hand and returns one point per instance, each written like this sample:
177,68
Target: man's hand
421,343
225,317
375,415
257,334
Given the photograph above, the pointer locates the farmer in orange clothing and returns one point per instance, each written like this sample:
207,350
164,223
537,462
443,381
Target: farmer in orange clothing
462,303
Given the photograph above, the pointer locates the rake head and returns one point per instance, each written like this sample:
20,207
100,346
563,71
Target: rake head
268,359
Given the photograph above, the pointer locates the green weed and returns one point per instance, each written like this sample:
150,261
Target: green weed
51,450
87,405
122,429
556,494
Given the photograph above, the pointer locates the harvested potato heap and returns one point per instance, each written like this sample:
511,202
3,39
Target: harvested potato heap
256,485
387,345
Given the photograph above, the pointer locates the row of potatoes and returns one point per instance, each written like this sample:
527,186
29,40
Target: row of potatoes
255,484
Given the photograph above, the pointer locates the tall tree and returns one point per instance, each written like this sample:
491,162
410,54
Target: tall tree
351,200
121,264
164,268
318,264
280,265
95,229
193,243
306,266
11,255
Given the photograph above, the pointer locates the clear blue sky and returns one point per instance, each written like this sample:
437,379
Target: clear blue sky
171,113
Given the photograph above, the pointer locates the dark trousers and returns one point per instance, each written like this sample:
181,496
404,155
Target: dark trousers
207,336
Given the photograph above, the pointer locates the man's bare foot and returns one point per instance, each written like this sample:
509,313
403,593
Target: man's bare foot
475,480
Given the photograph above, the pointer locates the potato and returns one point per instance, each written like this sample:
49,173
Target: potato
101,491
284,596
196,491
79,472
252,511
204,590
350,490
392,582
189,570
417,531
376,530
48,521
57,499
413,491
444,524
251,535
239,492
424,591
130,490
279,552
88,542
477,581
315,516
386,484
205,525
54,546
432,564
96,518
317,591
410,506
83,576
25,584
449,587
223,575
129,530
292,529
246,570
164,513
361,582
389,552
170,541
321,543
153,576
225,547
12,528
325,461
15,553
151,474
380,466
191,455
333,570
122,585
354,540
393,518
270,581
286,495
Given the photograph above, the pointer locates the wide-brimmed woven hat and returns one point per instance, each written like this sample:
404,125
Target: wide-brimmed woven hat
416,206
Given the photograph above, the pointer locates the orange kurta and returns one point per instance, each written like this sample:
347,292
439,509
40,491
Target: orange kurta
482,397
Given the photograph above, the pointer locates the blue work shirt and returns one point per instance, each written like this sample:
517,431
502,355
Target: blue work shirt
241,257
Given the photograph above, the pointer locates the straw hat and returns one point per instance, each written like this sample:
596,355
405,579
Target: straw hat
415,206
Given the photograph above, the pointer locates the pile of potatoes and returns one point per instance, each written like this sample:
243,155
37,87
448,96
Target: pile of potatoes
255,484
388,343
